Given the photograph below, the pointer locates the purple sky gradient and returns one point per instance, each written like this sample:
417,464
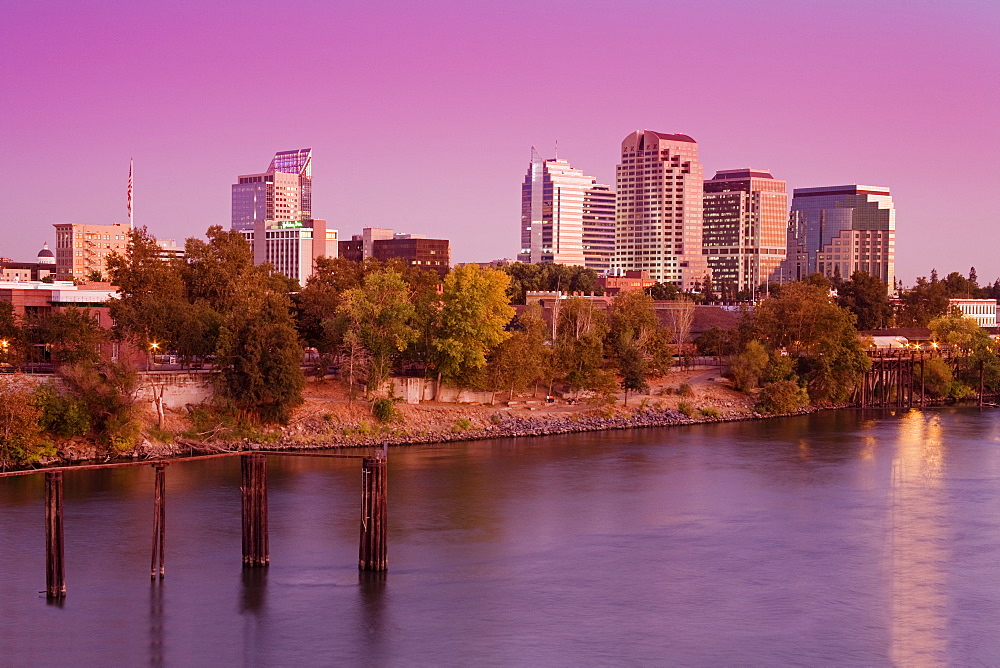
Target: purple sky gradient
421,114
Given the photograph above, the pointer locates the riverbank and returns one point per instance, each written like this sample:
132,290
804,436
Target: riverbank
330,419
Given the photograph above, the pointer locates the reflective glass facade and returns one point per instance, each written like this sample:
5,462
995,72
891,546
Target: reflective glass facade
745,217
838,230
282,193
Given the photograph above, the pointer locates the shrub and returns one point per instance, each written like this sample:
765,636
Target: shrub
686,409
20,434
461,424
385,410
684,390
785,396
710,412
61,414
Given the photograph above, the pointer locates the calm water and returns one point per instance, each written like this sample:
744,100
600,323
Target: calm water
842,538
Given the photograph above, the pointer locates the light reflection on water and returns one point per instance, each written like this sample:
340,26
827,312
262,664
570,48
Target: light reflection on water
837,538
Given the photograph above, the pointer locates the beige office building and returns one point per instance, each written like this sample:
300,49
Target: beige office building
292,247
658,221
745,214
84,249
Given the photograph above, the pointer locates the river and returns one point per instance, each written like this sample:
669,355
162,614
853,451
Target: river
833,538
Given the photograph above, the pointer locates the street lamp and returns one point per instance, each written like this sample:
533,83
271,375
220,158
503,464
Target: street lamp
153,347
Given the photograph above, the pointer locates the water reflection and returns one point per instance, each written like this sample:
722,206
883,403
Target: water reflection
156,648
917,542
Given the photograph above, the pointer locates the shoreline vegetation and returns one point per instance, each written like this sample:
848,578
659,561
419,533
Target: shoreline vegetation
617,362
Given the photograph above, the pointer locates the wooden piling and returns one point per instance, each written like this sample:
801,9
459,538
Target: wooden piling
254,488
55,570
982,379
372,554
159,520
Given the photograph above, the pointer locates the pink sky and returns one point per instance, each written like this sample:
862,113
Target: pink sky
421,115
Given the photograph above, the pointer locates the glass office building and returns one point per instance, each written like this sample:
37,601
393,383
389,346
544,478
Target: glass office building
745,217
282,193
838,230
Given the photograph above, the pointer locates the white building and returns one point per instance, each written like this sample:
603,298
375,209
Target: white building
566,216
983,311
292,247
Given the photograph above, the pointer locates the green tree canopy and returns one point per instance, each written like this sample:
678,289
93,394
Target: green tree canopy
475,311
868,299
381,315
819,335
548,276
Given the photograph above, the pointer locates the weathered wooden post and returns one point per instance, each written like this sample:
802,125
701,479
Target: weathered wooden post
922,378
159,520
982,384
55,570
372,551
254,487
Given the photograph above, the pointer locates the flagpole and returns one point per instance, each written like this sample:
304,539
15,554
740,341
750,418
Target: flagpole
131,218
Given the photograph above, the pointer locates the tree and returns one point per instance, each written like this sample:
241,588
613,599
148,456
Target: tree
380,314
258,356
868,299
72,333
680,317
817,334
150,305
548,276
664,291
922,303
522,359
20,434
316,305
977,348
748,367
474,315
108,391
13,337
633,323
579,346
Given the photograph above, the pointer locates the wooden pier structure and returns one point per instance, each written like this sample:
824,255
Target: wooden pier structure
896,378
372,551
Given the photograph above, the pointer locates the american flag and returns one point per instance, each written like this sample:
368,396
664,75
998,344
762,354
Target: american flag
130,190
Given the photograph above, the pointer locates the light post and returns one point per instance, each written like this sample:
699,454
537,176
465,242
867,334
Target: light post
153,347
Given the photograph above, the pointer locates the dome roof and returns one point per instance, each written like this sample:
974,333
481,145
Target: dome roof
45,256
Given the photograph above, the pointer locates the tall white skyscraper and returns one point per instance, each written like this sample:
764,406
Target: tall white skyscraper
564,215
659,208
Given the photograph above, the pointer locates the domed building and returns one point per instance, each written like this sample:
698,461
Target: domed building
45,256
43,267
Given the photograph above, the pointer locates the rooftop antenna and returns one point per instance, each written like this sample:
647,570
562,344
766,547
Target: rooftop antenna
557,149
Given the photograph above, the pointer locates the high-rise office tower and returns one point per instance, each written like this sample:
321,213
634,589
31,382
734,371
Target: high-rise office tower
282,193
273,210
658,224
838,230
599,228
745,219
564,215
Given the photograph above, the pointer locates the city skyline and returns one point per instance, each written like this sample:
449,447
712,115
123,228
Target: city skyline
428,130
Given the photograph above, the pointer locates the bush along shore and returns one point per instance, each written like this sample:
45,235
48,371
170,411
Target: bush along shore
501,426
